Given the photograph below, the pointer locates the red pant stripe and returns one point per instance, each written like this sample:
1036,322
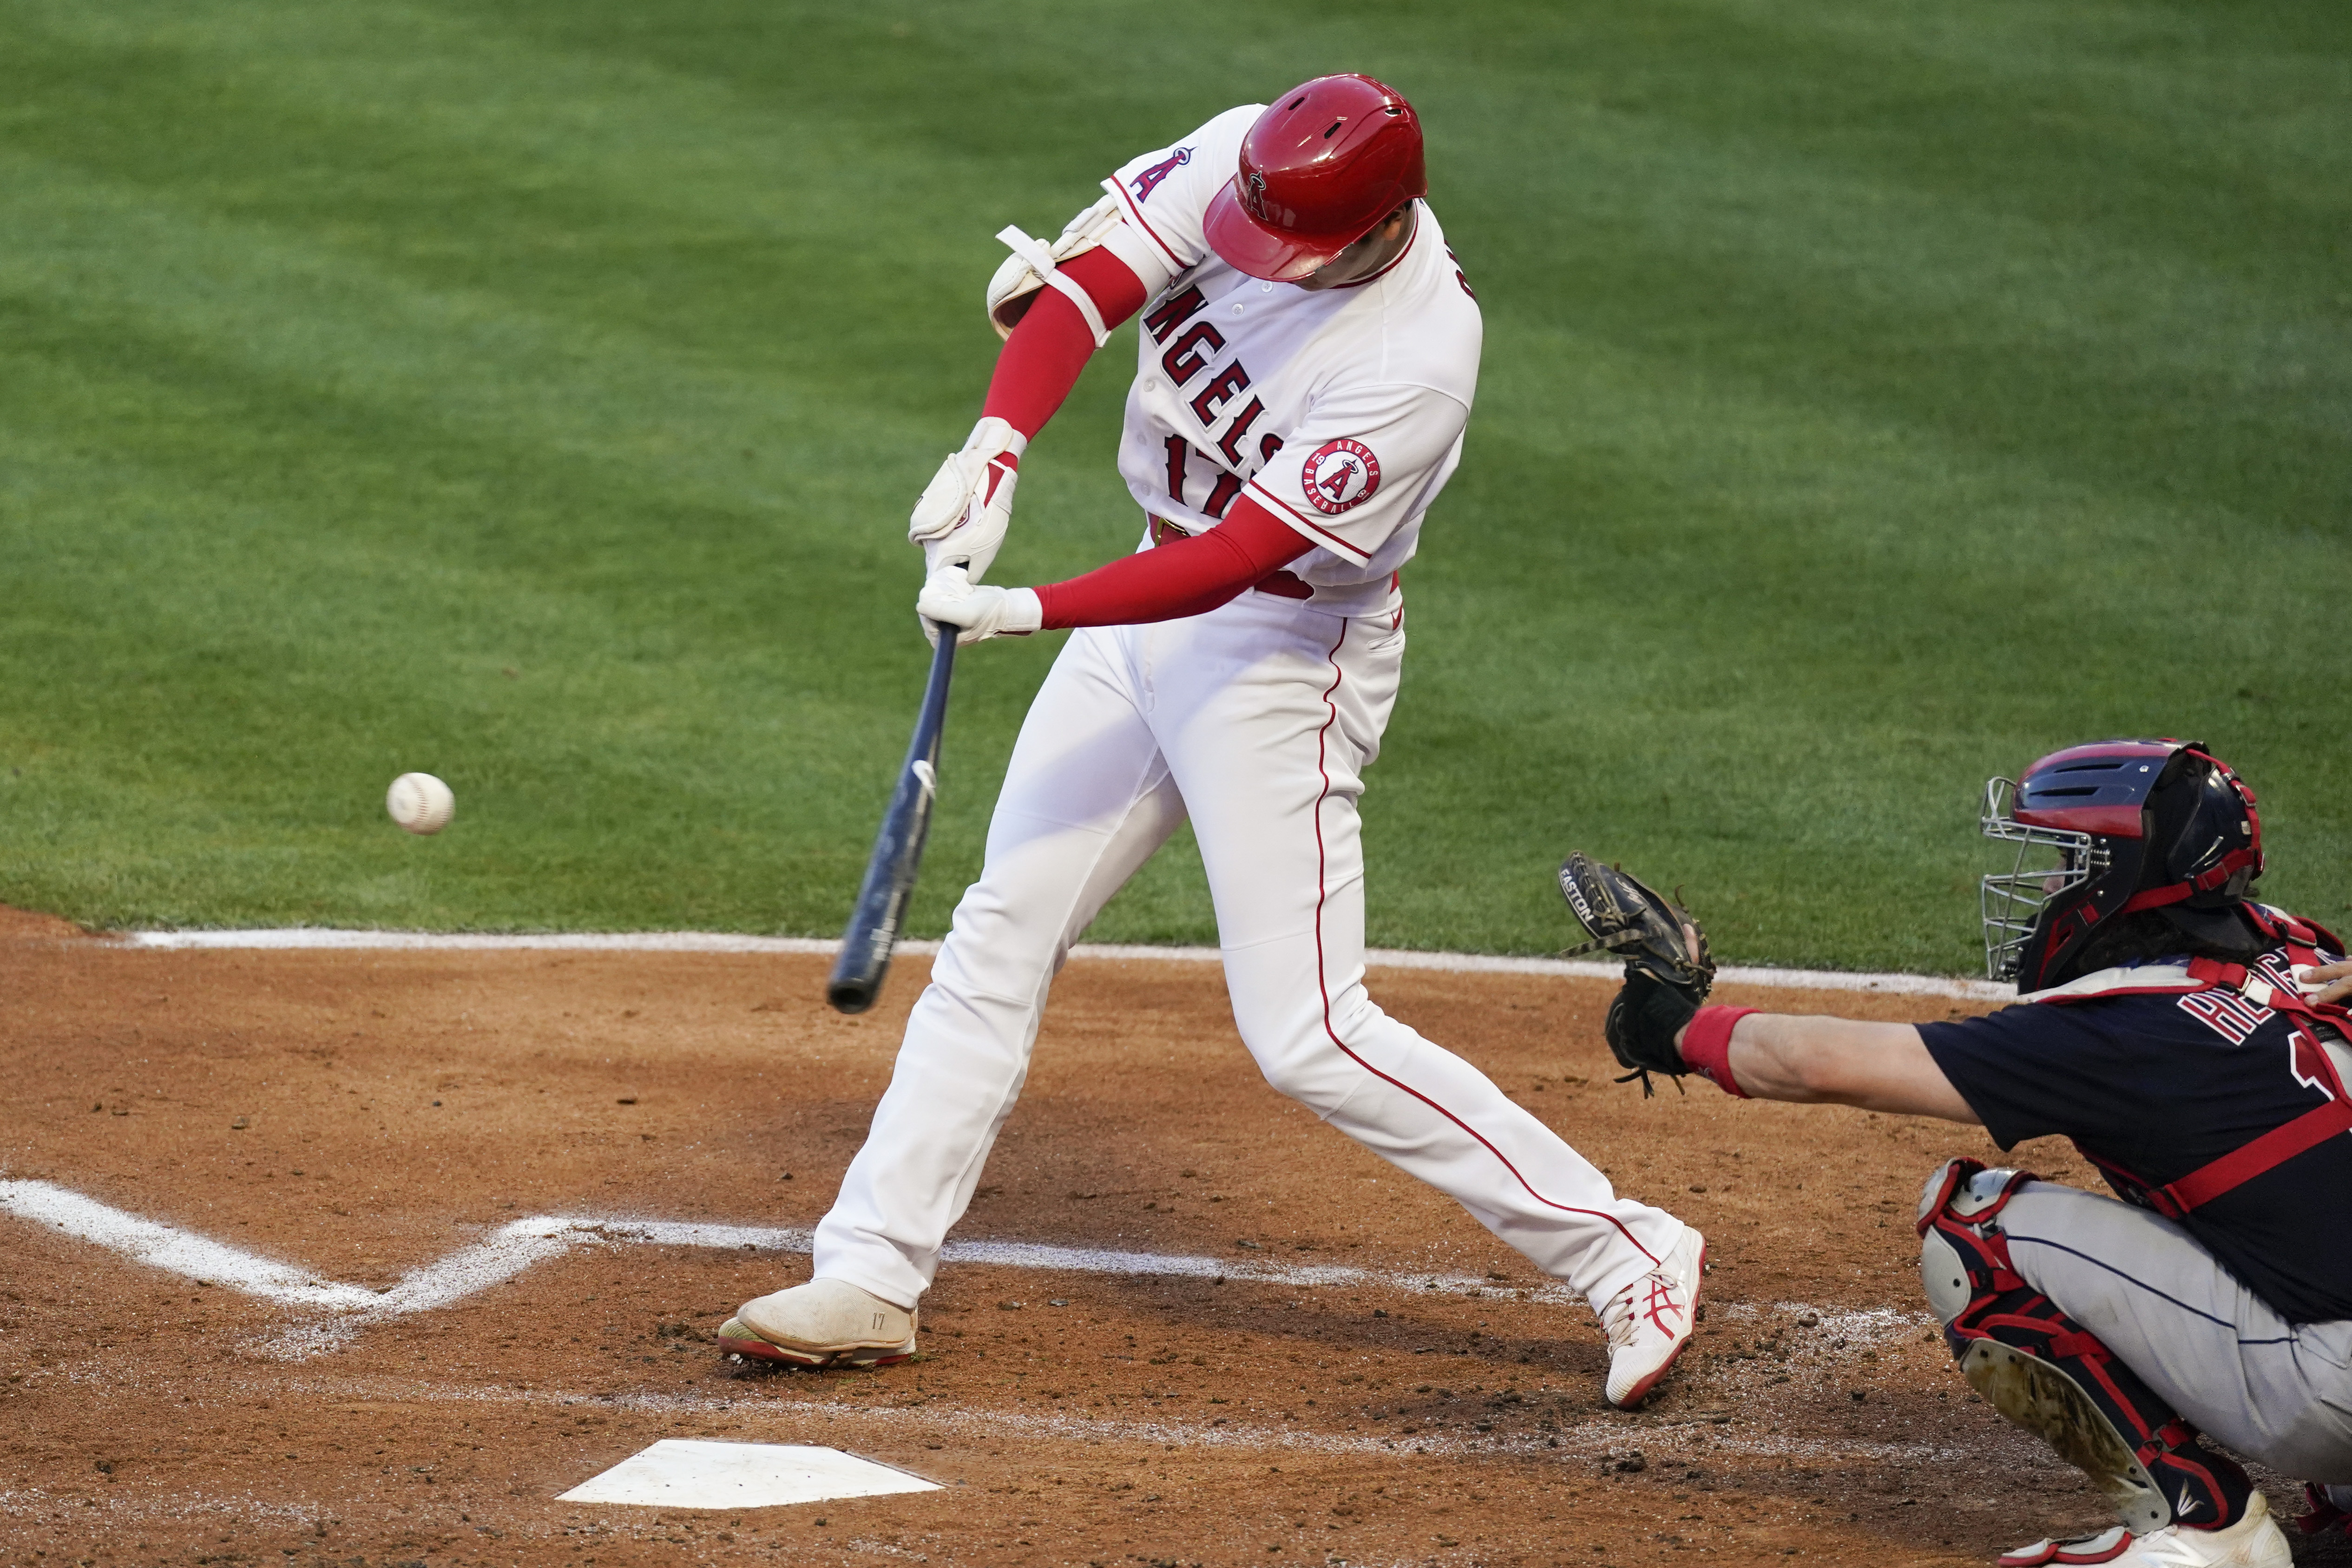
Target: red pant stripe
1322,894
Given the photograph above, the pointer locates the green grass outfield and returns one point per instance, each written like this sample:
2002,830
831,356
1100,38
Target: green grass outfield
1878,392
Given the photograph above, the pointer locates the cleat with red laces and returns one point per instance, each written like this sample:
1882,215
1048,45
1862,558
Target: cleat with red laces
1649,1322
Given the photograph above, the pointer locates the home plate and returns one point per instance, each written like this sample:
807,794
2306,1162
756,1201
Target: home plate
679,1472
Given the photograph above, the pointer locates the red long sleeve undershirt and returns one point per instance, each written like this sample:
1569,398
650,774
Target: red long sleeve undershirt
1184,577
1038,366
1035,373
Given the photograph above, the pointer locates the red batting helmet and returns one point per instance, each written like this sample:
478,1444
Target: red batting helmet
2108,829
1327,161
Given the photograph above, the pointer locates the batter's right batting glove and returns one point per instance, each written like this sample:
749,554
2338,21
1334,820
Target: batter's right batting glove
1668,969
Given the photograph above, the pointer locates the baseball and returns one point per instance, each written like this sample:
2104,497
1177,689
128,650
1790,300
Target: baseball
420,802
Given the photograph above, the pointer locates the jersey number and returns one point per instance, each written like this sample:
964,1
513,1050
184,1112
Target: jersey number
1221,494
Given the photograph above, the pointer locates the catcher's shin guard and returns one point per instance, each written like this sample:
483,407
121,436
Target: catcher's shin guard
2047,1373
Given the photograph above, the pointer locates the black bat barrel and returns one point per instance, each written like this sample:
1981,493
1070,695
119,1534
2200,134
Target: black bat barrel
866,946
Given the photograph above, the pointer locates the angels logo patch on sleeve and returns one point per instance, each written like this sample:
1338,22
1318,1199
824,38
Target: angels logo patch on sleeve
1341,475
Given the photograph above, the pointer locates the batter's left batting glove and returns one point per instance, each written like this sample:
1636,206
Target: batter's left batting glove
968,505
981,610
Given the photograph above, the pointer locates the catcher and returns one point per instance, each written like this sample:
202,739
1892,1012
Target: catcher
2192,1044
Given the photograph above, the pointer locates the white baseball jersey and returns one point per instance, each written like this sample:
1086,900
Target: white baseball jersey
1341,410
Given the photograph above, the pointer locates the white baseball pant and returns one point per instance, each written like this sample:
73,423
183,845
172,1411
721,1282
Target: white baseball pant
1258,718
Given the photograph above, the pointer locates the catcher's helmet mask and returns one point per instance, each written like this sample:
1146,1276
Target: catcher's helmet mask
2108,829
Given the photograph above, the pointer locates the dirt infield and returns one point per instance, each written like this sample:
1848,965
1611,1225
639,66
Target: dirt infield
364,1116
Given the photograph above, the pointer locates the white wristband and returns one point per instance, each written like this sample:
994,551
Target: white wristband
1024,610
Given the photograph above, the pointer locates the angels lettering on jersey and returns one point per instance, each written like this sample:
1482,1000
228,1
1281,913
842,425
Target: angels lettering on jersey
1187,355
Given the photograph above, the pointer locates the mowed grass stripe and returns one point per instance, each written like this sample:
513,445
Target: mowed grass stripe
540,431
2113,341
584,742
1691,631
564,183
1874,398
436,578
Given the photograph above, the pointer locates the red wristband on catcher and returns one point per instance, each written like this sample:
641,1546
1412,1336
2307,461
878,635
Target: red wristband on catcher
1707,1046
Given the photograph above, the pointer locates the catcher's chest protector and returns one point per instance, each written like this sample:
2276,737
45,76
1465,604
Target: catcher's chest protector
2236,999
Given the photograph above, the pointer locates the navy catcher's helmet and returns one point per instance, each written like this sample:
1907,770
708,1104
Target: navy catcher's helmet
2110,829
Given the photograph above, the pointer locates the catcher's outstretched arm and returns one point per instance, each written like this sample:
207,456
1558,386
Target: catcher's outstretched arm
1840,1062
1658,1022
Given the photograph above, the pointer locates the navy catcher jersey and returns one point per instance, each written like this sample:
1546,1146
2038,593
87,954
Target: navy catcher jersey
2151,1087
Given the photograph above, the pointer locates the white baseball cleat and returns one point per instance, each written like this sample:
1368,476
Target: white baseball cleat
825,1323
1649,1322
2105,1547
2254,1541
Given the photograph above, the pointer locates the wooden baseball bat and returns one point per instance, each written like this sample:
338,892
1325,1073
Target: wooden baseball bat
873,933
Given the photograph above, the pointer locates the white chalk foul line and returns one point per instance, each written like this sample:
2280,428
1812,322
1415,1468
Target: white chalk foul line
523,1243
176,1252
337,1310
310,937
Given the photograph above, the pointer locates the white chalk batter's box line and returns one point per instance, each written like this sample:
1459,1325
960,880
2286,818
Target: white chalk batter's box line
784,1410
333,1310
297,938
791,1408
794,1414
1670,1441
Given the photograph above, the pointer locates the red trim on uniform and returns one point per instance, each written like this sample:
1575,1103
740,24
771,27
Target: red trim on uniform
1322,896
1136,213
2274,1148
2287,1140
1305,524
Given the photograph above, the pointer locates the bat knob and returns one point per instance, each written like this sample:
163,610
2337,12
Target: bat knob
851,995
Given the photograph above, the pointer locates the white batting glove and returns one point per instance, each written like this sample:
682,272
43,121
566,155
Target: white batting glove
978,610
967,505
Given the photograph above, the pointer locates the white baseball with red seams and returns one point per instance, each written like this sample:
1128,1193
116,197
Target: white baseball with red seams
1343,411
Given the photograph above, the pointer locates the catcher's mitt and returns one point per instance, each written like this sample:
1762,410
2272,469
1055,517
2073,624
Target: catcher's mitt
1668,969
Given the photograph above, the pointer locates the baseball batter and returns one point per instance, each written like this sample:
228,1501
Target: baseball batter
1307,358
2192,1044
